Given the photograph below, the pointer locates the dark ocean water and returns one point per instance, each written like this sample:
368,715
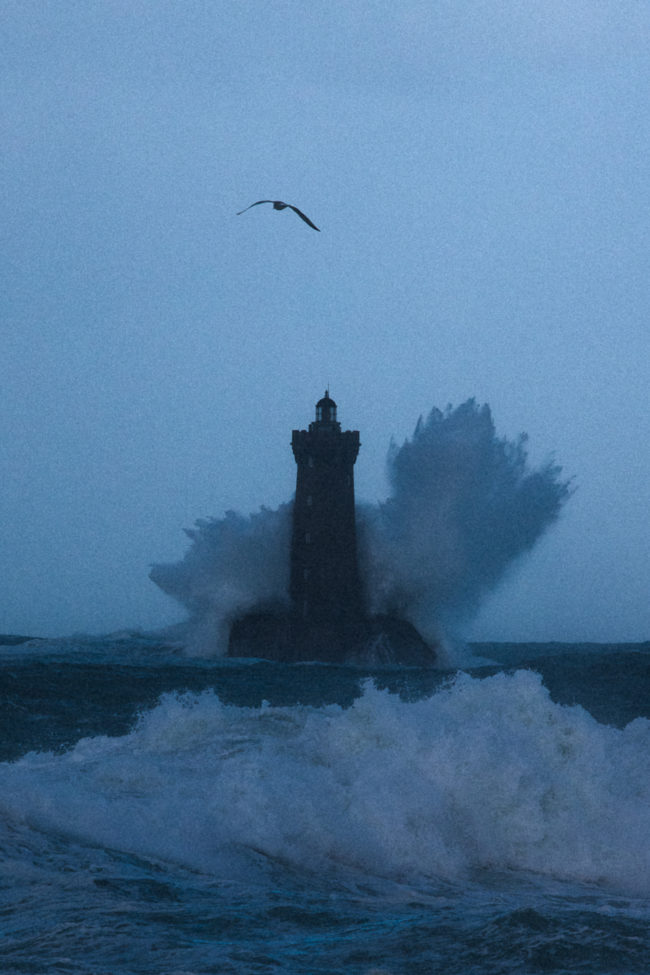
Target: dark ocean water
160,814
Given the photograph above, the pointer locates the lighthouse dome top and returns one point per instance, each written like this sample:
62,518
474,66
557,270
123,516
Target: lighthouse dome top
326,409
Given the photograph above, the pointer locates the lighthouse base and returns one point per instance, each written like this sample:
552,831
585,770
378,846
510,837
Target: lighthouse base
376,641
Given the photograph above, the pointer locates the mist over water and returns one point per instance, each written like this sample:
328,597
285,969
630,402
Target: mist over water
464,506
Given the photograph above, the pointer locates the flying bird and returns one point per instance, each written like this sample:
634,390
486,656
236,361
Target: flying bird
279,205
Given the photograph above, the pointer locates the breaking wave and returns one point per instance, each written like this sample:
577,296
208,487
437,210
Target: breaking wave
484,774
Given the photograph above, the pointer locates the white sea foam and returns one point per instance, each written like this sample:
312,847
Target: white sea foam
485,773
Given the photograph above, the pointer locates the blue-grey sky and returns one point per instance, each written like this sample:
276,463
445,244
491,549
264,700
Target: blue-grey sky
479,171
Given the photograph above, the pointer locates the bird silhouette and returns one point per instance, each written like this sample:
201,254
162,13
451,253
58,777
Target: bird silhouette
279,205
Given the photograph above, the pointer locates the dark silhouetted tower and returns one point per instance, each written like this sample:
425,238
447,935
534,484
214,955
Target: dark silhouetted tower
325,588
327,619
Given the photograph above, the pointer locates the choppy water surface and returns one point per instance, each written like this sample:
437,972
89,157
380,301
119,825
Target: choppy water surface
159,814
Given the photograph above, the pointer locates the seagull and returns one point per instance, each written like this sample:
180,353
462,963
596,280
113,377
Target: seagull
279,205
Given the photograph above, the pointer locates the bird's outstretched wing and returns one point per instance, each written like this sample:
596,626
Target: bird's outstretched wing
303,217
253,205
279,205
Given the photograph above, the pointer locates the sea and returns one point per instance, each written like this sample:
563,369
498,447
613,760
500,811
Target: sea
166,814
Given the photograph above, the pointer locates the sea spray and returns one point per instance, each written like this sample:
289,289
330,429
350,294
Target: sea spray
464,505
234,563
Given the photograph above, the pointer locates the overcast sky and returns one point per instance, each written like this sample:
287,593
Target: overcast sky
479,171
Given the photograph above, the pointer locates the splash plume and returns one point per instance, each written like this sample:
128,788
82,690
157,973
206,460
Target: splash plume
234,563
464,505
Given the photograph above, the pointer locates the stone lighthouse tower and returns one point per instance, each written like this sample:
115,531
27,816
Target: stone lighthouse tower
325,588
326,617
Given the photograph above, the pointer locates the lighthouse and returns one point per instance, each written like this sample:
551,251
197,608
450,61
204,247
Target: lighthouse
325,587
325,616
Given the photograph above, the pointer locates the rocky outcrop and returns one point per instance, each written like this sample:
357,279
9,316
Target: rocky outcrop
377,641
